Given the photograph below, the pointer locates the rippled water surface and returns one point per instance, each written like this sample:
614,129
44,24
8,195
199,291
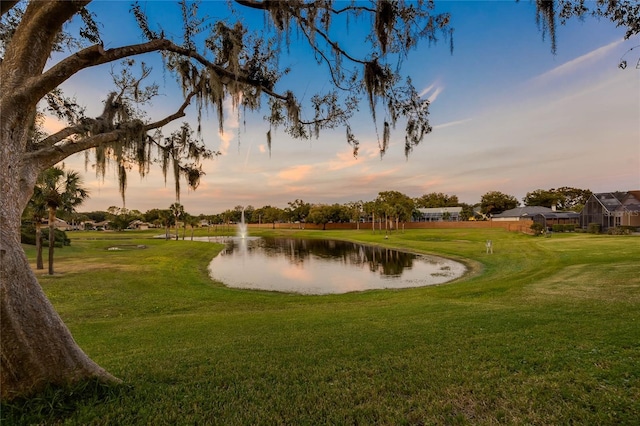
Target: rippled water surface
325,266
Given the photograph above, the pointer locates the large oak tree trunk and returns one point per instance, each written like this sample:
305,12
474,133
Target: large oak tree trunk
37,348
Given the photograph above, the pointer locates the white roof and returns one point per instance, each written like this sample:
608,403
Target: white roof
440,210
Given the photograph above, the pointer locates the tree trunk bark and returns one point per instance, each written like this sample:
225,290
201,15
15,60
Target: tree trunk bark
37,348
39,264
52,237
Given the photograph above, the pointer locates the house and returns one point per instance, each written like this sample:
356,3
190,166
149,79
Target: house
549,219
91,225
521,213
139,225
600,209
439,214
60,224
628,212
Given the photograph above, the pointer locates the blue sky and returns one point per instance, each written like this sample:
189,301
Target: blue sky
508,115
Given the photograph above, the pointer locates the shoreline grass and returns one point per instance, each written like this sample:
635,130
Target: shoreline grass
543,331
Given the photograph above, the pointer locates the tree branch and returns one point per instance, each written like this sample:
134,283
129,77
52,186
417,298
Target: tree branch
48,156
41,21
6,5
96,55
49,153
252,4
178,114
61,135
261,5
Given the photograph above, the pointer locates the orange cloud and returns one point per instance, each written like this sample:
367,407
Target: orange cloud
295,174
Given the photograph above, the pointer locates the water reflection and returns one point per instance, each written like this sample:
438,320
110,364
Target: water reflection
325,266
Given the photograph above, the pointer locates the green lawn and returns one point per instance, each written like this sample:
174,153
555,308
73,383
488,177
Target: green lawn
544,331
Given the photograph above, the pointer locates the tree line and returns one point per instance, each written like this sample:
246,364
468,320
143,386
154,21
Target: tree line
388,206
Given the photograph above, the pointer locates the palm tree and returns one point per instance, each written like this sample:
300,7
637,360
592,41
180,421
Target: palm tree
165,218
36,211
177,210
61,190
193,222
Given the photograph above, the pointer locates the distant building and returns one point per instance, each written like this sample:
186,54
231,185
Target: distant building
140,225
551,218
601,209
521,213
628,212
439,214
60,224
545,216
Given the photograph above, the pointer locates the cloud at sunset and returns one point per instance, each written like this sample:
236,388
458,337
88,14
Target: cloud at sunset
431,92
579,63
295,173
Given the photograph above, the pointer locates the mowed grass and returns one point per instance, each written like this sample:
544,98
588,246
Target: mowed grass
543,331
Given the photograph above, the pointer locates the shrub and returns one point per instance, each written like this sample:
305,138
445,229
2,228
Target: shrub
557,228
28,236
537,228
621,230
593,228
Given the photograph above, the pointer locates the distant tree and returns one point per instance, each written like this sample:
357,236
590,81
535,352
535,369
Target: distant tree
355,210
61,190
188,220
248,213
165,219
369,209
177,211
151,216
572,198
97,216
436,199
122,217
193,222
299,210
236,214
269,214
215,219
321,214
495,202
467,211
565,198
396,206
541,197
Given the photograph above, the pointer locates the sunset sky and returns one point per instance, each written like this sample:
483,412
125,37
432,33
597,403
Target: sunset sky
508,115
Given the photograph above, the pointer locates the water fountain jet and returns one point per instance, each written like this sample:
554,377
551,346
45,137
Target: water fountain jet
242,227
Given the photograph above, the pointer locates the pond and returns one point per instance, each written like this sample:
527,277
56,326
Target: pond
308,266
